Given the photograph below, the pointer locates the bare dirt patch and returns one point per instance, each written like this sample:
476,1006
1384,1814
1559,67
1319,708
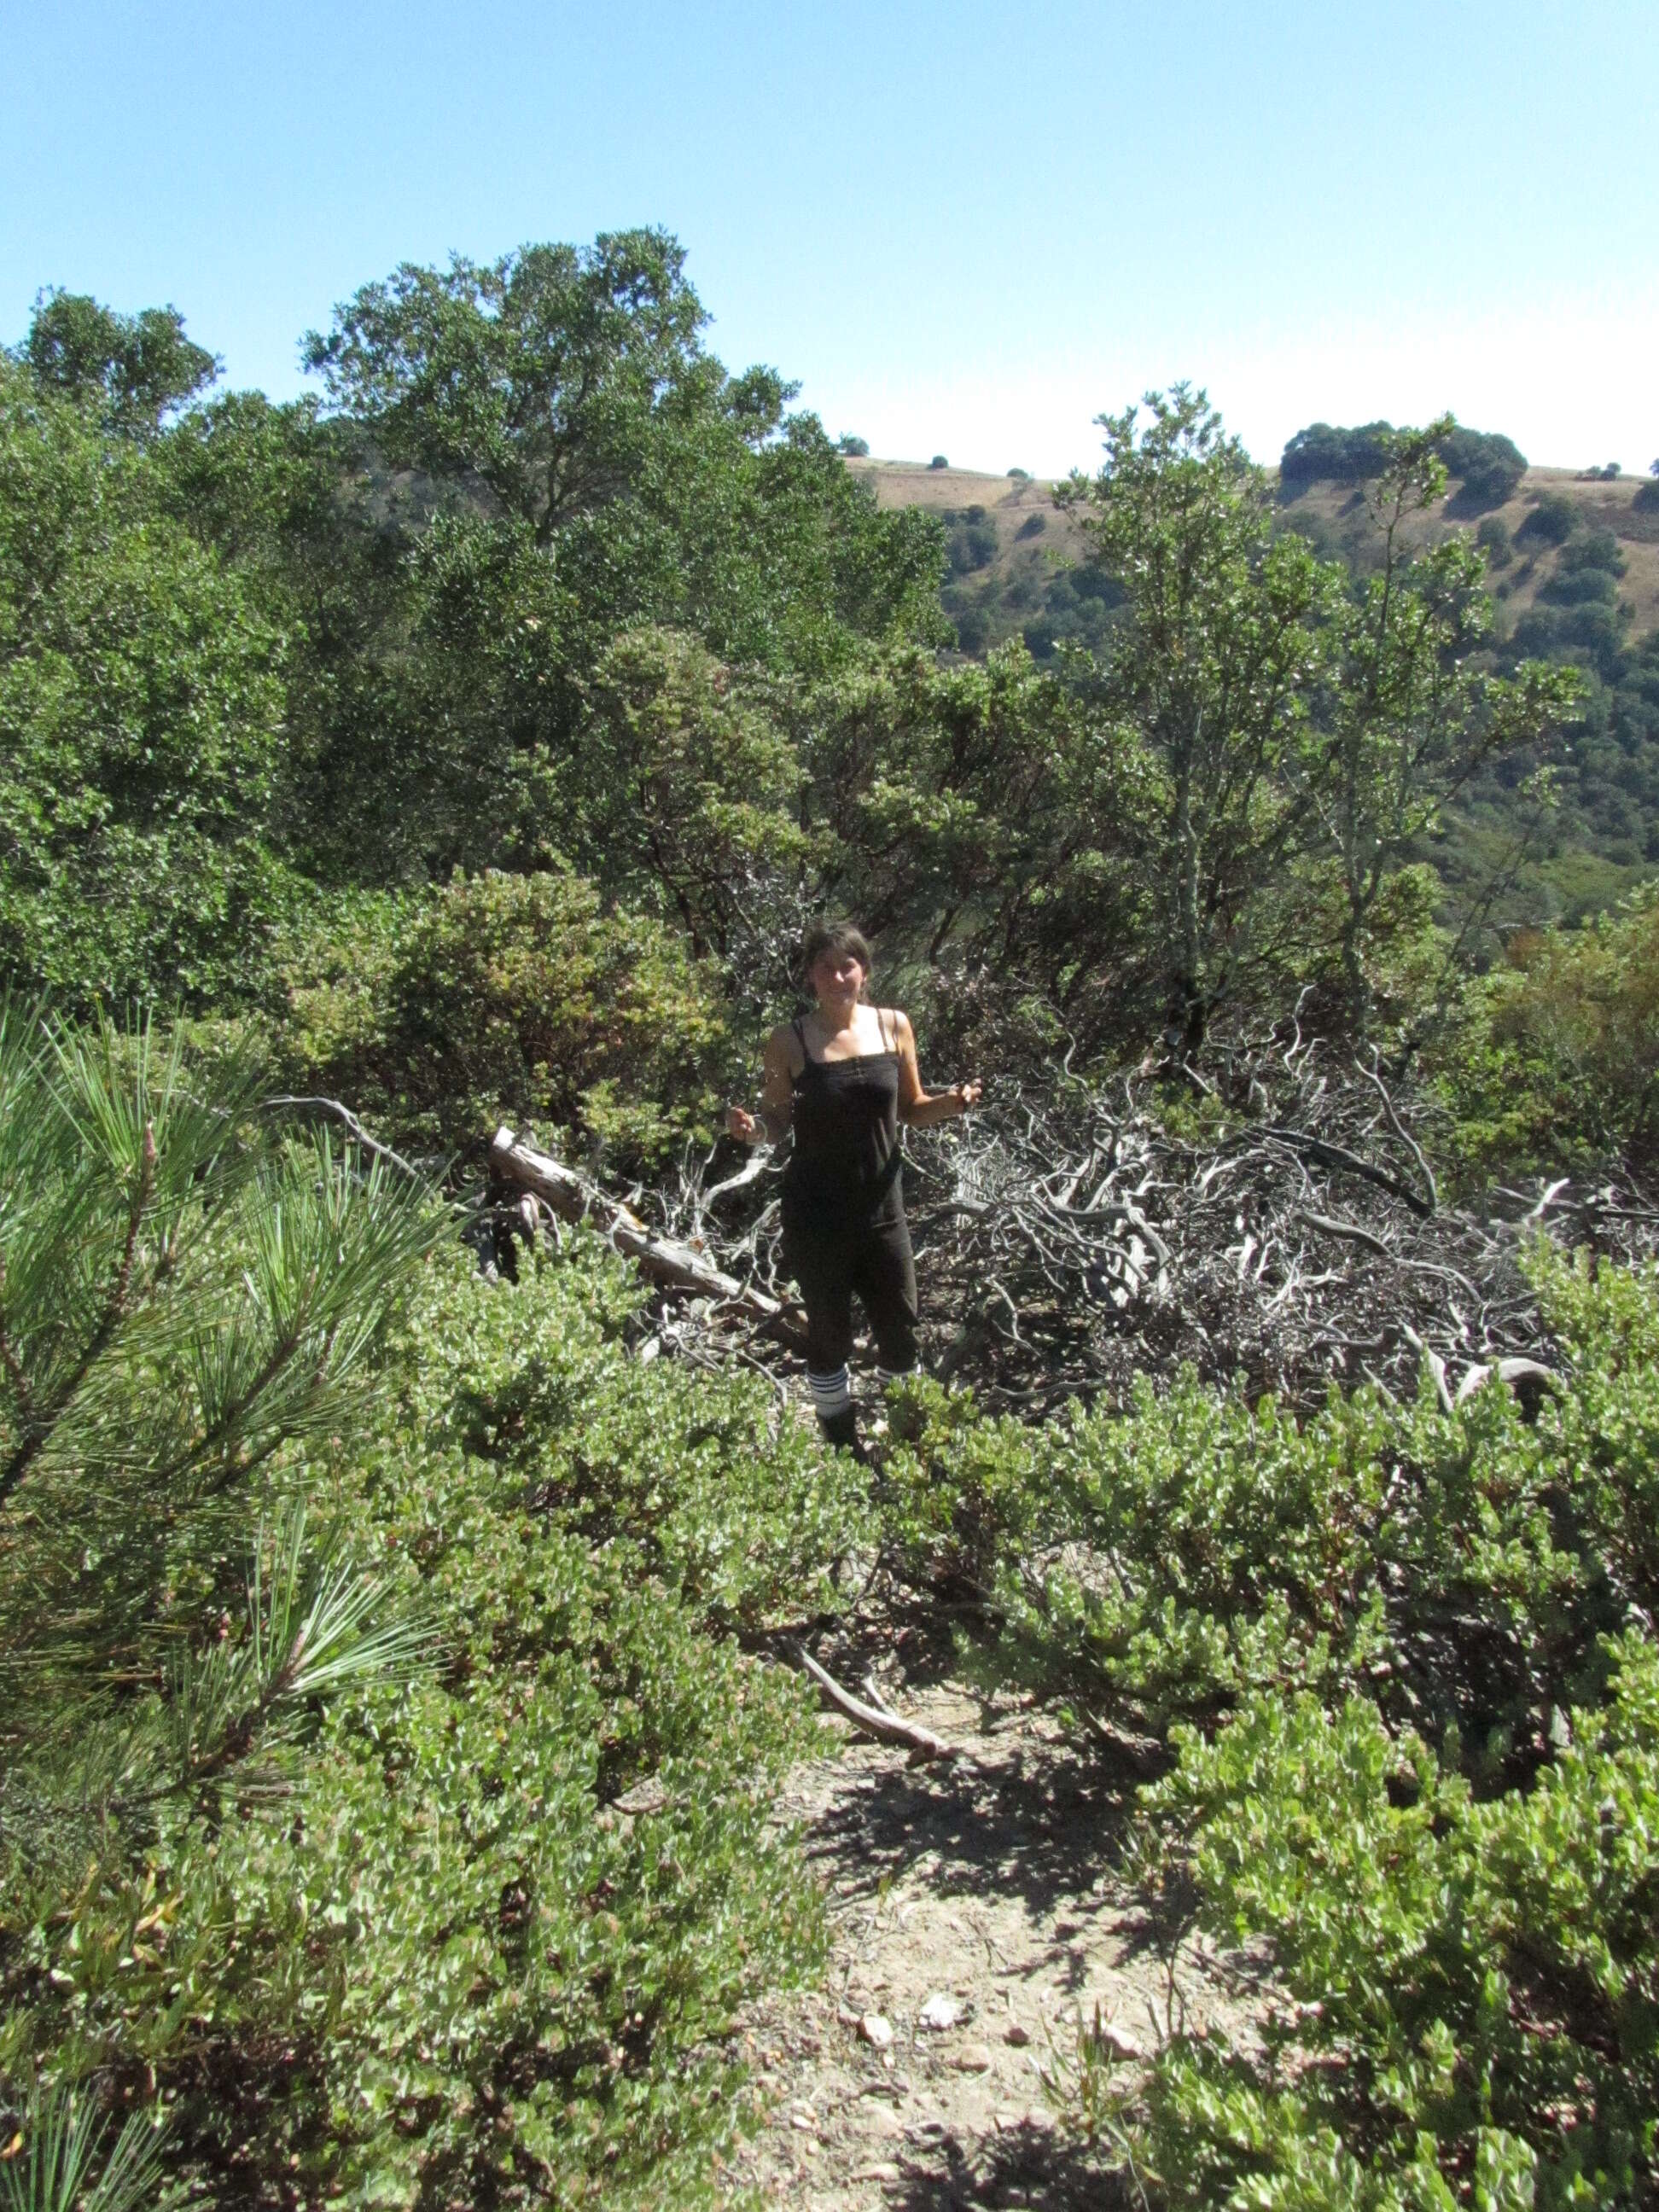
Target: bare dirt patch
981,1897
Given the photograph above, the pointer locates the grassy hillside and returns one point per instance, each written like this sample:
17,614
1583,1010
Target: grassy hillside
1335,513
1008,544
1033,541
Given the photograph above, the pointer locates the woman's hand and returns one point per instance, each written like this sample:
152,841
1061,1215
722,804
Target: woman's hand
746,1127
966,1095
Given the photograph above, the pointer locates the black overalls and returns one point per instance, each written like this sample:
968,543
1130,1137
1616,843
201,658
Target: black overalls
844,1212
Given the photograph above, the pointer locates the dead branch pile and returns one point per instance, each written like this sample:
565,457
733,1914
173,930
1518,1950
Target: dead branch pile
1069,1239
1083,1244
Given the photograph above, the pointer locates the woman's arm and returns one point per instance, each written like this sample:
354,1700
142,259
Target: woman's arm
916,1106
777,1097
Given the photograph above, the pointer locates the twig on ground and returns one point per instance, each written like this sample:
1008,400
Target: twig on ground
884,1724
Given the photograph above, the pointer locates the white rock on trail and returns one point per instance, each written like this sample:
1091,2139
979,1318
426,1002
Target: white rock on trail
1117,2040
939,2013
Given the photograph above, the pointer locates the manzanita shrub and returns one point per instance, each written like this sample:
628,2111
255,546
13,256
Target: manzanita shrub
1406,1664
1472,1982
386,1813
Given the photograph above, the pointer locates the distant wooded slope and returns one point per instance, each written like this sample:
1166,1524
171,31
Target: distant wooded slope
1008,541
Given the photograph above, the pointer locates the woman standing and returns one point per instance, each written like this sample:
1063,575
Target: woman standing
843,1078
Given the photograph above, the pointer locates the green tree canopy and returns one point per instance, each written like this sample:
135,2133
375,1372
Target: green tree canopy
1211,663
141,706
134,368
542,375
1408,719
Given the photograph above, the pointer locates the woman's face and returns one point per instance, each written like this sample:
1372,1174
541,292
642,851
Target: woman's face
836,975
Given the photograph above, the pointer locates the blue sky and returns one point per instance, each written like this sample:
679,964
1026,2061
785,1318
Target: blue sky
965,229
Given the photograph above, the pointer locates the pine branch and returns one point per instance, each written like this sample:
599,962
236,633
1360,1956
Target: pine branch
8,1359
37,1431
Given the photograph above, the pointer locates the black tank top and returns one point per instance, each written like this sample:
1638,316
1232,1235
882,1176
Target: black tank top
844,1165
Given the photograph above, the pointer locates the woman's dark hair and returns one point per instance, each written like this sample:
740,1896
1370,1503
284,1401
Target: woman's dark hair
838,937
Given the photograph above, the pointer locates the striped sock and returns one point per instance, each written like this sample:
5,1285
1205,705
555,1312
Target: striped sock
886,1375
832,1394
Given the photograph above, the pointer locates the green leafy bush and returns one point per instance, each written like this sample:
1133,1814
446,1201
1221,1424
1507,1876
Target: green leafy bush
1592,634
973,628
1592,549
141,712
1559,1059
1551,520
1467,1981
972,543
506,997
1487,466
1495,542
1578,587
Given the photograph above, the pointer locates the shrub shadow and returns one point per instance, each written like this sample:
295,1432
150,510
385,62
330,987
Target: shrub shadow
1026,2166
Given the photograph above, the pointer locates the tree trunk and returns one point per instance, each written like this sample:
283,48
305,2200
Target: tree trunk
1188,979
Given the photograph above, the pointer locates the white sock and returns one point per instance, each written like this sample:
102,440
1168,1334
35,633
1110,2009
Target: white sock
832,1394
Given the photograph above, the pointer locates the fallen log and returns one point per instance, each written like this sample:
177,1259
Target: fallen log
678,1266
1529,1378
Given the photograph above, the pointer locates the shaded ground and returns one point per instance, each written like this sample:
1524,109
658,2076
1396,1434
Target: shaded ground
990,1888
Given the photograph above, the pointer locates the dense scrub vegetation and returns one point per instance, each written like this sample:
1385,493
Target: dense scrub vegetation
386,1746
347,1599
1405,1660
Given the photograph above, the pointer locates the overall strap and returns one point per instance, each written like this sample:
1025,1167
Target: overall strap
800,1039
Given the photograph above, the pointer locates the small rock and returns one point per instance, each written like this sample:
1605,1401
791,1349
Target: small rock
939,2013
877,2032
882,2170
1117,2040
1017,2035
649,1795
972,2058
805,2119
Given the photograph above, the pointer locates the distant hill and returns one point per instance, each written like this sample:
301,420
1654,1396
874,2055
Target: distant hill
1335,515
1009,543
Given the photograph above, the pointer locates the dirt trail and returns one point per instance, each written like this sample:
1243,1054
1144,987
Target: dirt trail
981,1894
